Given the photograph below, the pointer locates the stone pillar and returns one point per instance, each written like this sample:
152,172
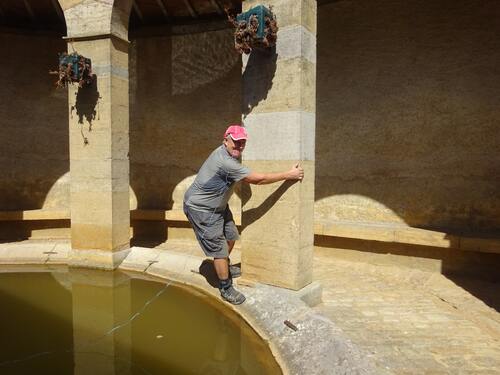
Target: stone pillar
279,112
99,134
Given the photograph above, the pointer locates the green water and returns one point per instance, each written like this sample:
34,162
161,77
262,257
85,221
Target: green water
92,322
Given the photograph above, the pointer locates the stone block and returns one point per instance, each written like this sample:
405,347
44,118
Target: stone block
281,256
485,245
294,42
289,13
99,259
291,87
59,254
422,237
95,17
139,259
280,136
275,266
24,253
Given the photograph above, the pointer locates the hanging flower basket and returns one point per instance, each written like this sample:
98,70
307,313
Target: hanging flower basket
73,68
255,28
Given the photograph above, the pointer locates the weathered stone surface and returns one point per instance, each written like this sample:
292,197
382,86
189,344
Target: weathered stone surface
34,125
317,347
100,212
294,130
96,17
279,88
98,259
139,259
416,150
296,41
410,321
285,85
281,256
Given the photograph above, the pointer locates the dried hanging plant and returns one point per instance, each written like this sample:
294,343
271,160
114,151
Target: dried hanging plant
73,68
246,35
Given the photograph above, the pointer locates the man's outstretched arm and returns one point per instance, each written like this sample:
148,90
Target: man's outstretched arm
296,174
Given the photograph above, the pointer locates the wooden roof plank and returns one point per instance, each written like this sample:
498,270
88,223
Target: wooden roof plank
137,11
217,7
29,9
163,9
192,12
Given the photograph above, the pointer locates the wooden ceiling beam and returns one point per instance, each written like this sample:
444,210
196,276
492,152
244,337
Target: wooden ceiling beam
191,9
163,9
29,10
217,7
137,11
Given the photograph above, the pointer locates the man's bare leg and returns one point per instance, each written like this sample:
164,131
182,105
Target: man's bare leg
221,266
230,245
226,288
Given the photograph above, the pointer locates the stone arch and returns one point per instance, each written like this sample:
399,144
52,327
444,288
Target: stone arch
109,17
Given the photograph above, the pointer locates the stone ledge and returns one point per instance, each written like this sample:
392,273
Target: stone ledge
406,235
362,231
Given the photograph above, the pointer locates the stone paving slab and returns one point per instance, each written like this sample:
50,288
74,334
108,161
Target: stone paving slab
412,322
26,252
139,259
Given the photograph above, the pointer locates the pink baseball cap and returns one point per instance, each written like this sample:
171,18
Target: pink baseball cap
236,132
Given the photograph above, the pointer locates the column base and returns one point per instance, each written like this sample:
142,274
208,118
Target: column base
99,259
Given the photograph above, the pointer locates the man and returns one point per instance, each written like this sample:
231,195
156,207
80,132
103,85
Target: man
205,204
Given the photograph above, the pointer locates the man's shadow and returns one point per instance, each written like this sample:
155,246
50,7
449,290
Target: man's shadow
207,270
252,215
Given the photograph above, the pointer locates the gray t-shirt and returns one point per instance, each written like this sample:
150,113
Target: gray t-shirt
214,183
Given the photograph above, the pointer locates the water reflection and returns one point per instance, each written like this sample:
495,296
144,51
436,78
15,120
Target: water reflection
94,322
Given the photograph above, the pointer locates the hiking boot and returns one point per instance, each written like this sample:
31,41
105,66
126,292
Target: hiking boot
234,271
231,295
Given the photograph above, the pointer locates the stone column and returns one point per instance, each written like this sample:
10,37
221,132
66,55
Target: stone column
279,112
99,134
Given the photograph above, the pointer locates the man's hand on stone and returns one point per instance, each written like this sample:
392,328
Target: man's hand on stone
296,173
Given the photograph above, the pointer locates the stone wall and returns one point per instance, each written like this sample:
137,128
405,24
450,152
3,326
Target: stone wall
184,90
34,153
407,113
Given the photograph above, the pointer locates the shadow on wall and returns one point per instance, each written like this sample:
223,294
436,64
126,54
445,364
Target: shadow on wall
34,124
87,103
406,114
407,118
178,113
259,71
475,272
